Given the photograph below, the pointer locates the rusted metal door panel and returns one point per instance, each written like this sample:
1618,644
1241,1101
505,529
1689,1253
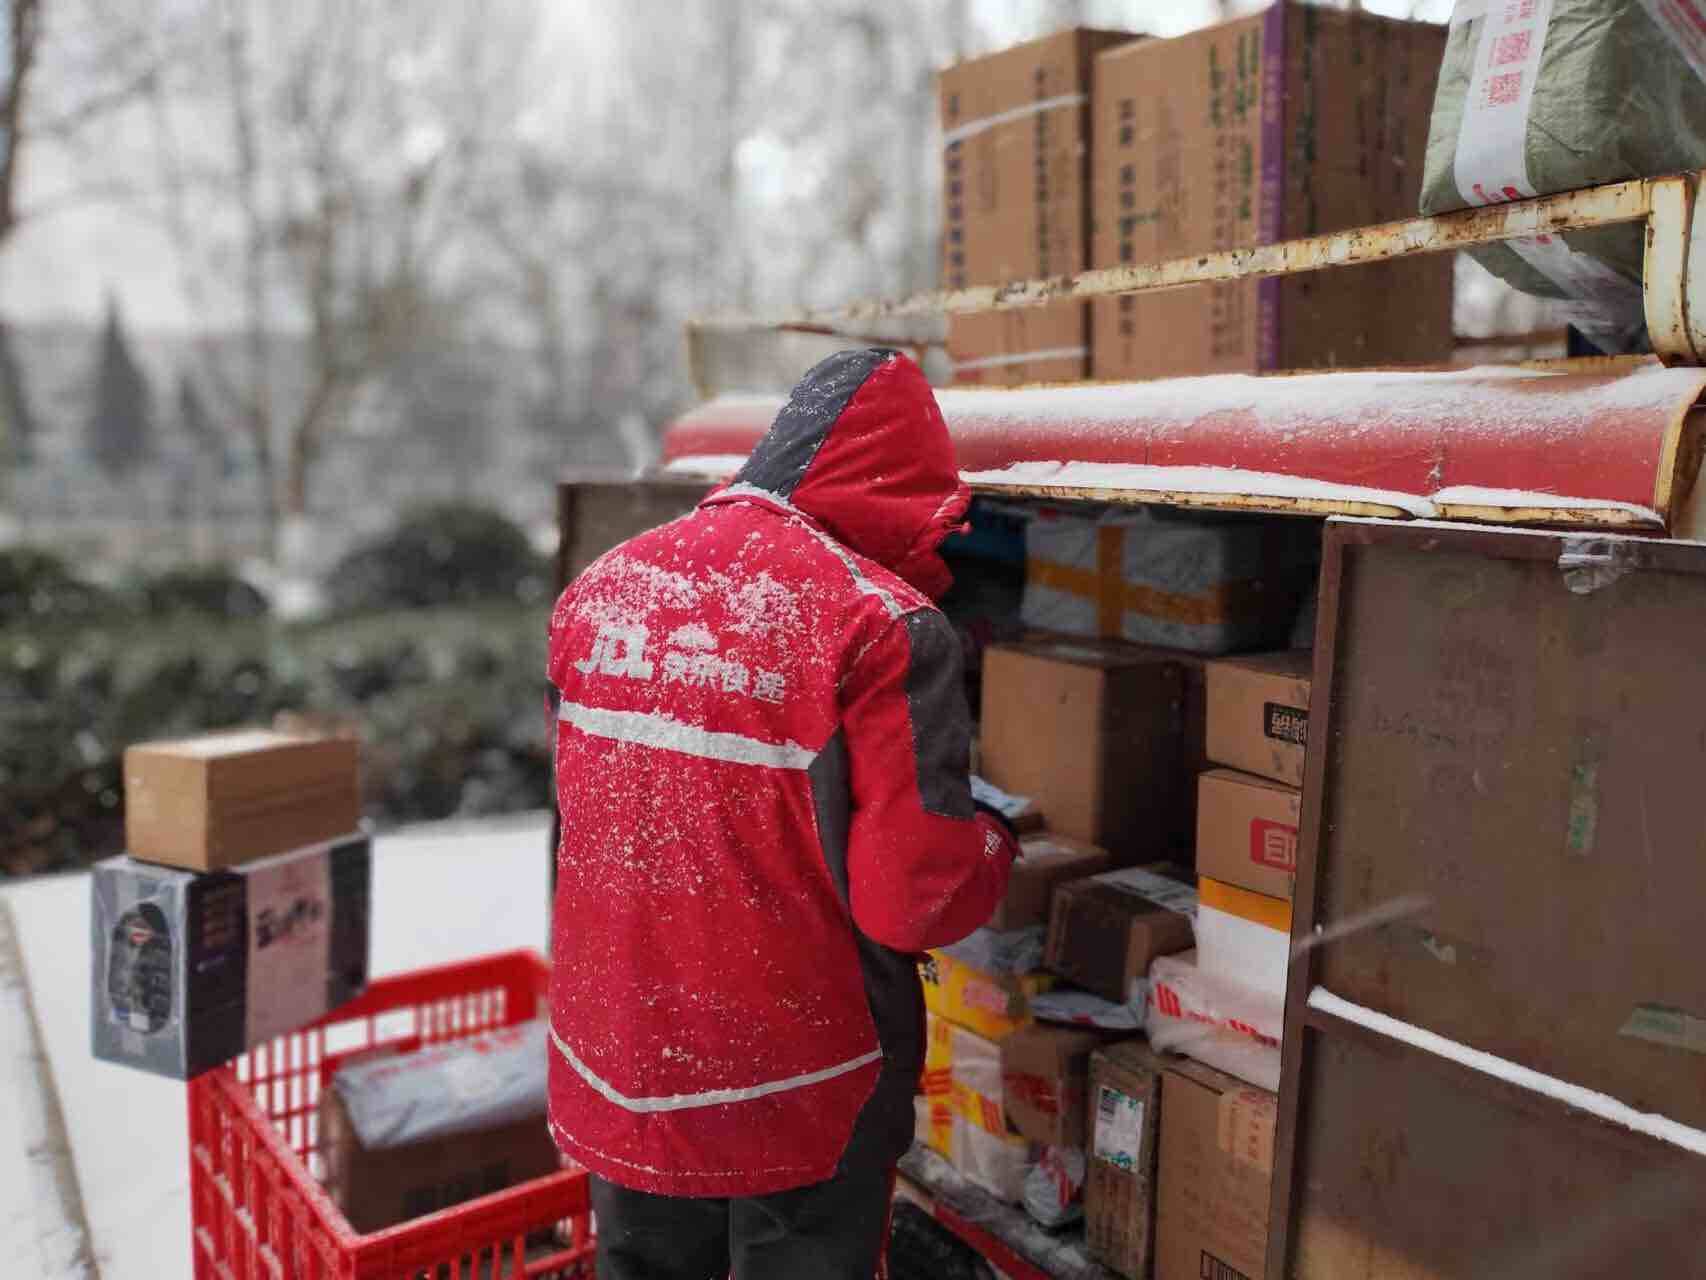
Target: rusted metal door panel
1504,845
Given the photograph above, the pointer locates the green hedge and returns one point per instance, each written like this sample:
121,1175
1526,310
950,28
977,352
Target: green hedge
448,702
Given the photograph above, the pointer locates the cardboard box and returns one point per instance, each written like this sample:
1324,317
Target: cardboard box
1025,345
1119,1190
1258,713
991,1005
215,801
1247,831
1291,122
411,1133
1217,1160
1045,1073
1092,733
1104,931
1204,583
190,970
1048,860
1015,170
1242,936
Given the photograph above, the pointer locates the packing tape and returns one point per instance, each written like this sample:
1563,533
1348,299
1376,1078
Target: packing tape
1221,604
1257,908
1021,357
971,128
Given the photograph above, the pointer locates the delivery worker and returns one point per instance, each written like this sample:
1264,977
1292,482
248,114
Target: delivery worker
761,764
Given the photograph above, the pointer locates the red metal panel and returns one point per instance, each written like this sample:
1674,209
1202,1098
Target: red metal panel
1606,435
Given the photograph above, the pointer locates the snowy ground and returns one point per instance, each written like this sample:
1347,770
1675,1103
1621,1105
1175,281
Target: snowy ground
442,892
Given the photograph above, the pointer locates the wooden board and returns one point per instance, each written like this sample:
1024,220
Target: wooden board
595,511
1502,845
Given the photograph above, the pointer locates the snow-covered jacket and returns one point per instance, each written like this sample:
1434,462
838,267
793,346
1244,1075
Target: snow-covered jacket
761,750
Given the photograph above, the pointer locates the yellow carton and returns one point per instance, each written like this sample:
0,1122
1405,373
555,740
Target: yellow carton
991,1005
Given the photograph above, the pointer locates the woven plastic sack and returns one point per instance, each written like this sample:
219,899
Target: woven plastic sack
1540,96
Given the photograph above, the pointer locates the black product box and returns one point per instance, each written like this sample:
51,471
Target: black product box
192,969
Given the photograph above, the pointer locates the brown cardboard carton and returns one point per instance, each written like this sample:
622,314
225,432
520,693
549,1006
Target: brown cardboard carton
1104,931
1119,1189
1048,860
1091,732
1258,713
1045,1072
1014,182
216,801
1247,832
378,1189
1291,122
1217,1160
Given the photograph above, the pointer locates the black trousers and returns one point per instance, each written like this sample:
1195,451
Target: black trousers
829,1231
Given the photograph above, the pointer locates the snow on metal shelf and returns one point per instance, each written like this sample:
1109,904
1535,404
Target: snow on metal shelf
1614,444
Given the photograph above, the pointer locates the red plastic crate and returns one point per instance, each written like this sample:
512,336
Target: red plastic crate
257,1210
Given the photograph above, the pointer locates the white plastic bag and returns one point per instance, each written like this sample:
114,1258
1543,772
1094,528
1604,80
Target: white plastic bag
1054,1187
1218,1022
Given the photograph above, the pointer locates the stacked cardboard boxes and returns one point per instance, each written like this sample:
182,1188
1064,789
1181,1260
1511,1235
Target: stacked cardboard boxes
241,912
1291,122
1016,153
1248,814
1223,1003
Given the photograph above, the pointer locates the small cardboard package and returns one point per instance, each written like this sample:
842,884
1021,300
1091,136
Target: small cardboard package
222,799
1015,182
1119,1195
412,1133
1247,831
1217,1161
1294,121
1046,861
1092,732
191,970
989,1004
1258,713
1104,931
1045,1072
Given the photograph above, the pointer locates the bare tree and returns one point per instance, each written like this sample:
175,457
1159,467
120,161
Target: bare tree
334,196
21,36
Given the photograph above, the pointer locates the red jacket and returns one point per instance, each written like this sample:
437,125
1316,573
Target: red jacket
762,747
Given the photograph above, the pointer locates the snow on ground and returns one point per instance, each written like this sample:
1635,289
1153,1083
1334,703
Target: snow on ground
441,892
41,1221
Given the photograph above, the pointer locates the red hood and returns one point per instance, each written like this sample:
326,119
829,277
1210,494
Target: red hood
862,449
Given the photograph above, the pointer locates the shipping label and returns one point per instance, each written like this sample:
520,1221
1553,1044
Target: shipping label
290,909
1273,844
1248,1119
1118,1137
1166,893
1285,724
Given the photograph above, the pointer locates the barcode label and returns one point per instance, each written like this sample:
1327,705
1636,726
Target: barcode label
1119,1128
1212,1268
